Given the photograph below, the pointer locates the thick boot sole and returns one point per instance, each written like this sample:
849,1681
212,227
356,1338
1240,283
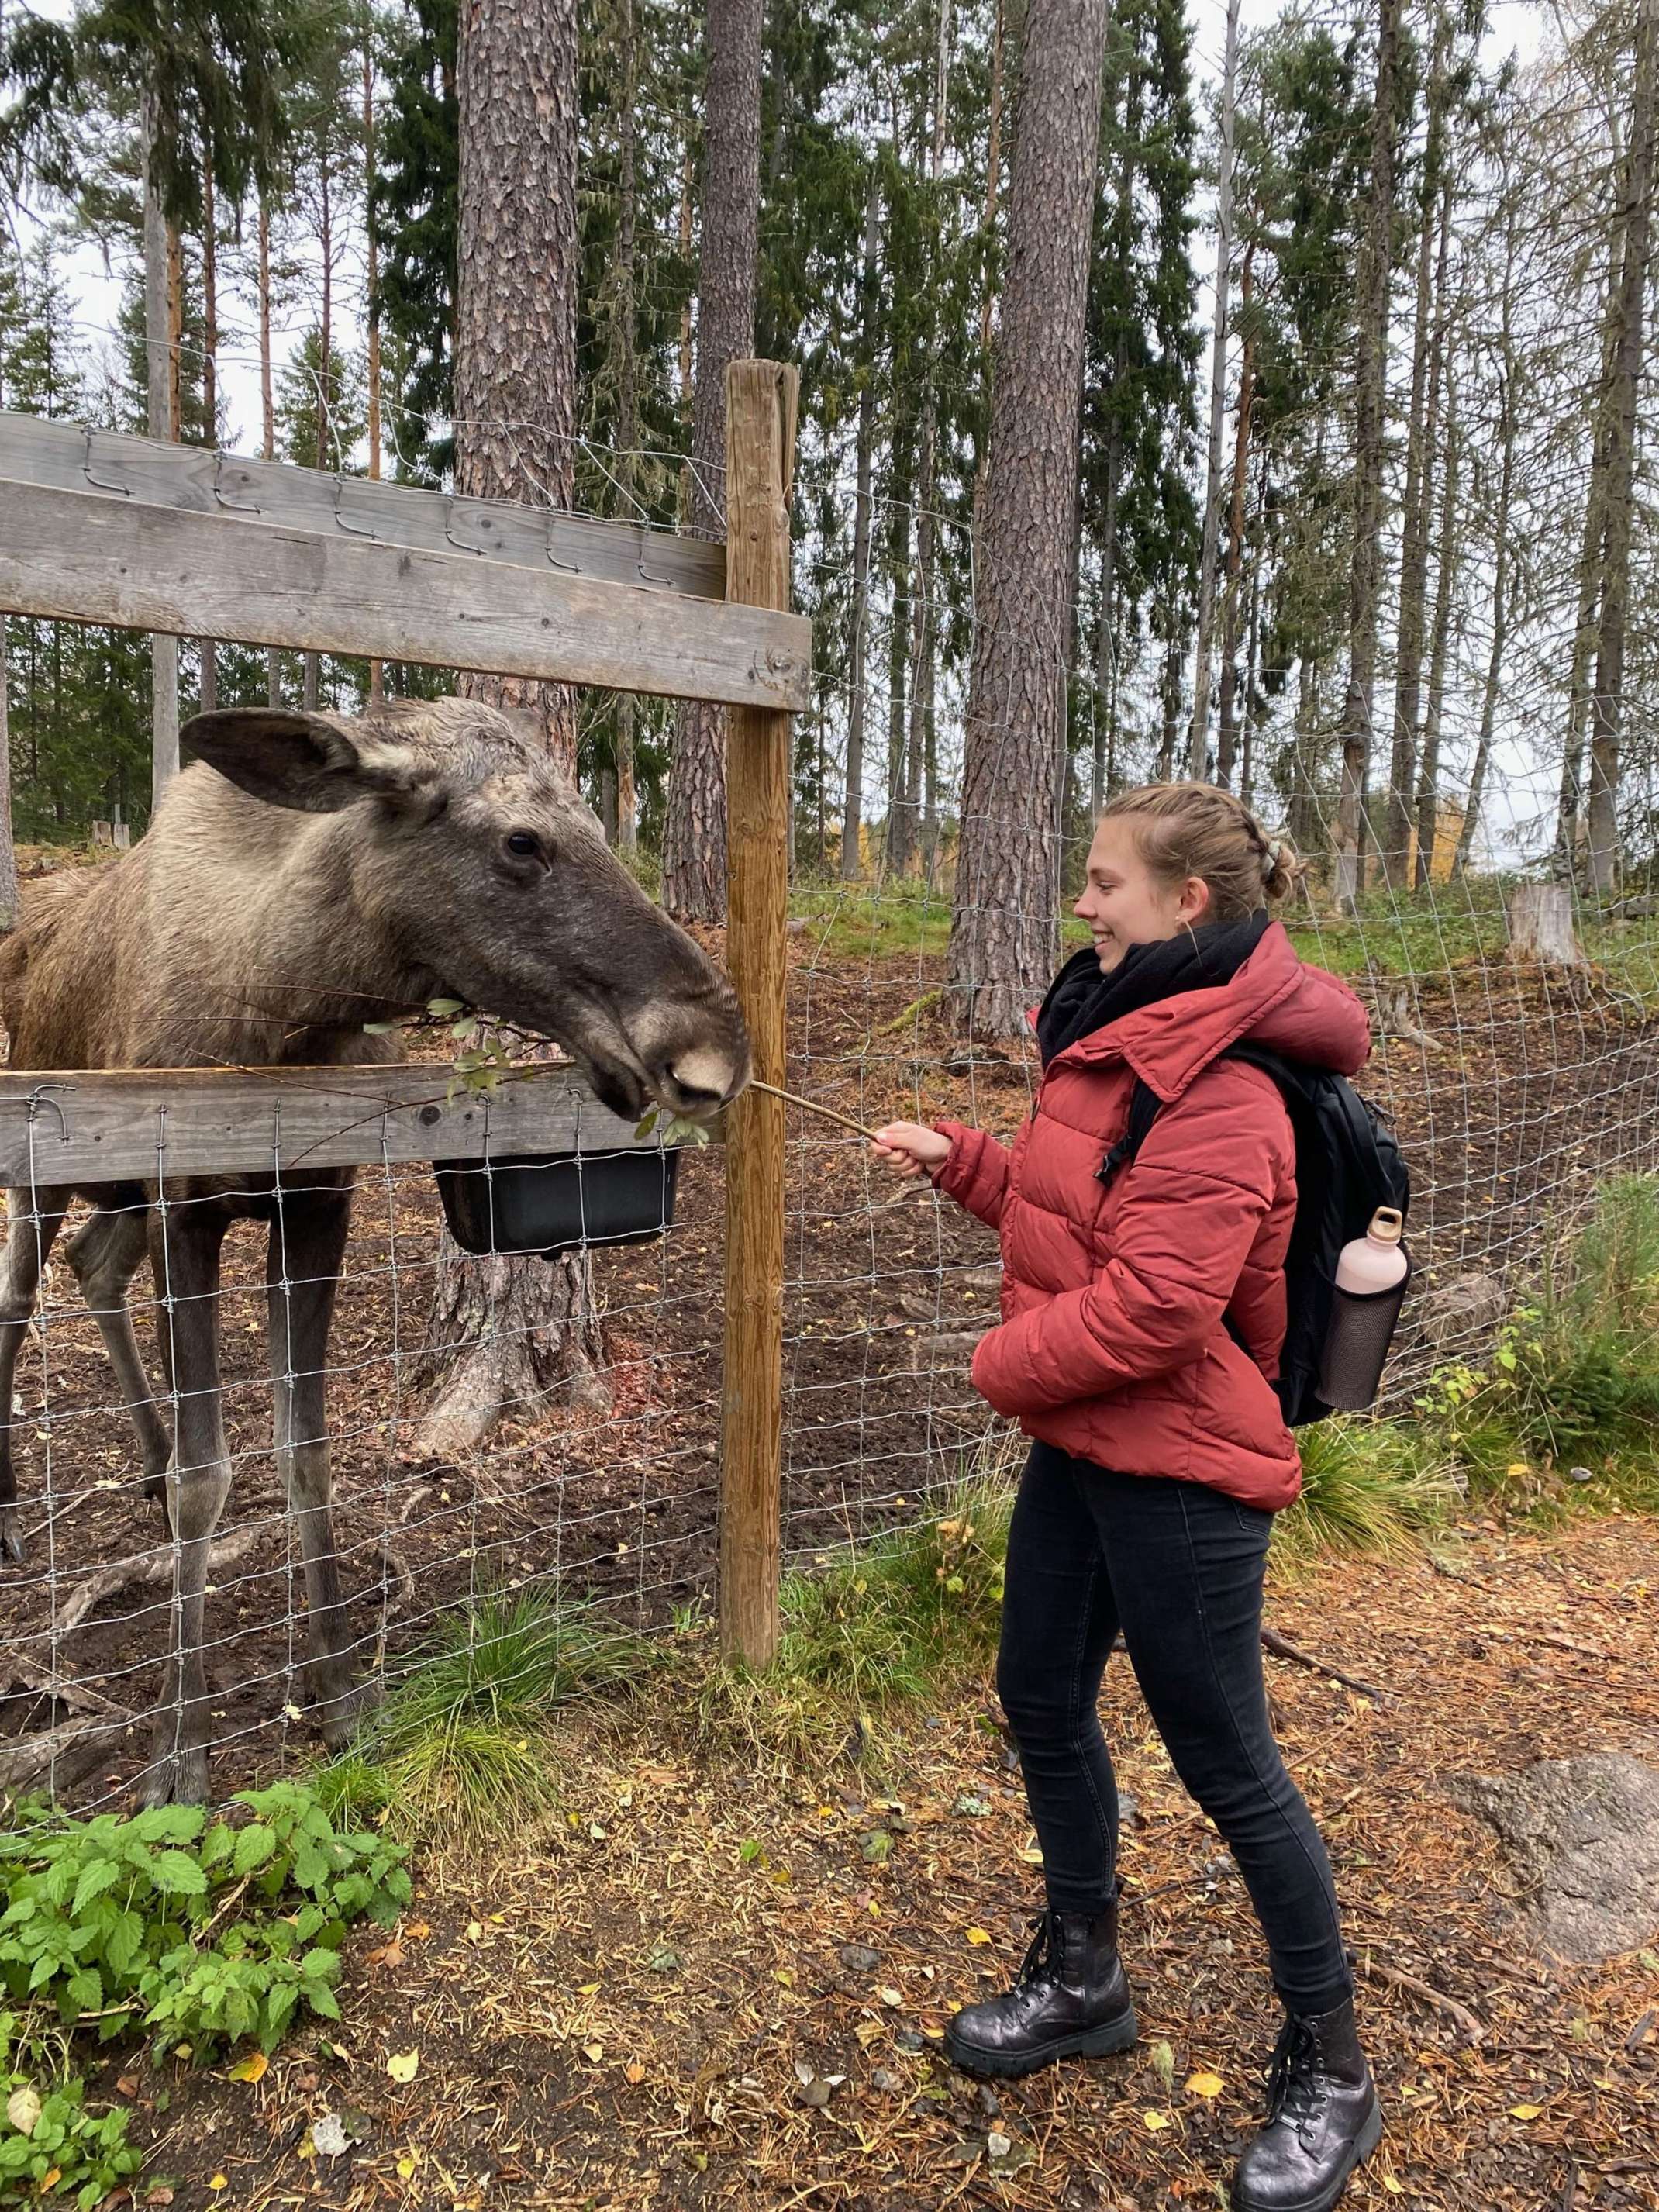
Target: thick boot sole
1112,2035
1365,2143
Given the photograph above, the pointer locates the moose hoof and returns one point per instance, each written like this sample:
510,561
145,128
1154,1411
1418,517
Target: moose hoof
11,1535
341,1711
176,1778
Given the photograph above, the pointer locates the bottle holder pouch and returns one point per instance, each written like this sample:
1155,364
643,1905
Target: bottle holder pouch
1357,1341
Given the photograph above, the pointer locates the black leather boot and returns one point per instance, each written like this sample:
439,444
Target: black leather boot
1071,2000
1323,2120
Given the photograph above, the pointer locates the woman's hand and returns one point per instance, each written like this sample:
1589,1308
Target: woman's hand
910,1149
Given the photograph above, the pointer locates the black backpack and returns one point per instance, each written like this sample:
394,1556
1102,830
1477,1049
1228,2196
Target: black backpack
1347,1164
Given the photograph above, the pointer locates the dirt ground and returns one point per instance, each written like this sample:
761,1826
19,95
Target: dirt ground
705,1986
1514,1094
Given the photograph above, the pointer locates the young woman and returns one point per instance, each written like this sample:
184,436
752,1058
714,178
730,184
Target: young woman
1142,1319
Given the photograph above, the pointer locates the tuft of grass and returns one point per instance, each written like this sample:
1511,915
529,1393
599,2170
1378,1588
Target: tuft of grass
871,1630
1366,1486
460,1746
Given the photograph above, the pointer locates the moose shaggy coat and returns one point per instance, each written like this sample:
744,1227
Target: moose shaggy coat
309,874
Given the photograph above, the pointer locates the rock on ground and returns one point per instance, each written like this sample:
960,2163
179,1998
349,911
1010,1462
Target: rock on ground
1583,1833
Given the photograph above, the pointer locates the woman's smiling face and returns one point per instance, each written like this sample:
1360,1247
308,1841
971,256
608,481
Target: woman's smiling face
1124,904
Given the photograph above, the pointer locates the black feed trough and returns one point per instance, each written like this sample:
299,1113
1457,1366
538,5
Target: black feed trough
554,1202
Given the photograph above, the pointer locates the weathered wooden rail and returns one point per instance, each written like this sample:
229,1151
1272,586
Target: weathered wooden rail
148,1124
184,541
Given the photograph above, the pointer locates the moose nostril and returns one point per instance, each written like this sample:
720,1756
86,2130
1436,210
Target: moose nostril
702,1077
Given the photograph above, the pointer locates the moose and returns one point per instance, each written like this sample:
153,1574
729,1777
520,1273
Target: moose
305,875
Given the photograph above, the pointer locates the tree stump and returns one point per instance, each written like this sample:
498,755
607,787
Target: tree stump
1541,928
501,1334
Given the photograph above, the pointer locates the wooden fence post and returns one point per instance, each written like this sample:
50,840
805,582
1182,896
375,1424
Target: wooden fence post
761,399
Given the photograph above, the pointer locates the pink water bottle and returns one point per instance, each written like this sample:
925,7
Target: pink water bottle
1371,1272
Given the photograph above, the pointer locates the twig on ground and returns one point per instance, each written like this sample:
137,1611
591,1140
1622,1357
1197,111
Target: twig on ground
145,1568
1397,1978
1282,1648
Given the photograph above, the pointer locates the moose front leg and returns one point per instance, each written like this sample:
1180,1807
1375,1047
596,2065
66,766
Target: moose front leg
105,1256
184,1239
307,1244
36,1219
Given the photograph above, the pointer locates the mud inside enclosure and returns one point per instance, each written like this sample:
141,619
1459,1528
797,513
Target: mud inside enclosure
1524,1098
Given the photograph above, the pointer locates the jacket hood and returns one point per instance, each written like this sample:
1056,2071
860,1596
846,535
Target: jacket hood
1274,1001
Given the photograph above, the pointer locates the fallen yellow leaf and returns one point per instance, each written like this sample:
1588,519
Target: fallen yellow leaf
417,1931
50,2180
403,2065
250,2069
1525,2112
590,1989
634,2073
406,2165
869,2031
1155,2120
593,2051
1205,2085
218,2182
890,1996
977,1935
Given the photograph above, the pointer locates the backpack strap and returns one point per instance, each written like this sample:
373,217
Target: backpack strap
1144,1105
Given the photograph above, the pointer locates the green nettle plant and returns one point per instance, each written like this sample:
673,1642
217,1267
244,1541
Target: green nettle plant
198,1932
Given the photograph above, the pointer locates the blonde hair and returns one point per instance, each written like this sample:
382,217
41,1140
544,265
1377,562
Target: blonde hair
1182,829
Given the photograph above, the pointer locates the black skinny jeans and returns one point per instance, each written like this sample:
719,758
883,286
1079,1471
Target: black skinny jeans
1178,1568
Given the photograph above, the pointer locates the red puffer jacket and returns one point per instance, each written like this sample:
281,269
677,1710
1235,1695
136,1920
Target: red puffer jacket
1112,1344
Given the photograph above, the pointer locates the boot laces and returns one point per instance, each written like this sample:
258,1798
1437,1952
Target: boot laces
1296,2087
1045,1951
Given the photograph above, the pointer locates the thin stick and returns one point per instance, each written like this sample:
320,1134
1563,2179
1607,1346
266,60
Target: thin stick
1396,1978
810,1106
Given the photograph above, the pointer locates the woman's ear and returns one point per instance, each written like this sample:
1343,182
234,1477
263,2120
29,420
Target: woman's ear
1194,905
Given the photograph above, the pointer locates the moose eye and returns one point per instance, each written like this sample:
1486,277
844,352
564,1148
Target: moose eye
524,844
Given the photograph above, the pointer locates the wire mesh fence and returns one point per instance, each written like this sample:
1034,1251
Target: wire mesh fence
1518,1086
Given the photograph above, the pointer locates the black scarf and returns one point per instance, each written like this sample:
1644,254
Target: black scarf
1081,999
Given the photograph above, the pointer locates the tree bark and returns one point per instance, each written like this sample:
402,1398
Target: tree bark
852,864
164,650
1421,434
1226,748
371,286
502,1332
1198,749
1541,926
7,847
206,647
627,387
1004,942
1428,785
1370,392
1607,701
693,834
268,412
515,377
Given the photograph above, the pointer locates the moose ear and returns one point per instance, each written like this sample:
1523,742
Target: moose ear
311,761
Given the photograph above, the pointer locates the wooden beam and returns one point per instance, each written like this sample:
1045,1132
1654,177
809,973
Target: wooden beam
90,557
79,1127
55,455
761,399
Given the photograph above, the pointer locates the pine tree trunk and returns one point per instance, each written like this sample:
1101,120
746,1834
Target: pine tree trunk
900,517
208,650
502,1332
1198,749
268,413
1422,432
693,834
1004,942
852,864
372,286
988,237
1370,392
1428,769
7,849
164,650
1607,701
515,377
627,389
1226,747
1170,700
